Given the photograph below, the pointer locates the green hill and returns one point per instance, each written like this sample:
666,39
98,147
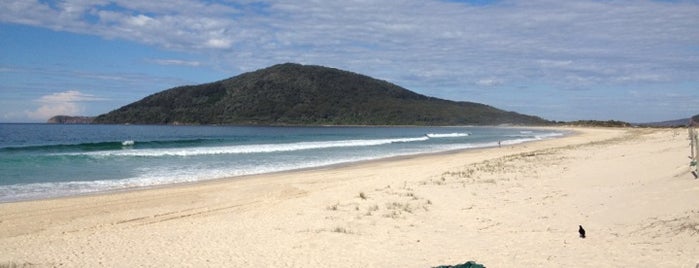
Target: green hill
294,94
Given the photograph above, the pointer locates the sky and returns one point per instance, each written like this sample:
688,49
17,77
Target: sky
635,61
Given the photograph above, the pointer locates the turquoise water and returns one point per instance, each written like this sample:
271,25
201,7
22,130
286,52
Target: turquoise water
44,160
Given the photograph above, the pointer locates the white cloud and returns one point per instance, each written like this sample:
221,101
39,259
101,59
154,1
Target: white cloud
557,42
68,96
446,46
140,20
175,62
488,82
218,43
49,110
61,103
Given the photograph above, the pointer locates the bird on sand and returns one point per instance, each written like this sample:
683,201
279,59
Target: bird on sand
581,231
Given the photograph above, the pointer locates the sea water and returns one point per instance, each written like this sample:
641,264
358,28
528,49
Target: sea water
46,160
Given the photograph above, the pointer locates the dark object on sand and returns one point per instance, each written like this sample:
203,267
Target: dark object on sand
581,231
468,264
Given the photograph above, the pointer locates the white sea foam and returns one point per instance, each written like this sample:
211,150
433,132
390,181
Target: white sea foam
249,149
153,176
447,135
541,136
127,143
549,135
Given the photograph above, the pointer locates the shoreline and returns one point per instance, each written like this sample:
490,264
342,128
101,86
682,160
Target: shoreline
565,131
503,207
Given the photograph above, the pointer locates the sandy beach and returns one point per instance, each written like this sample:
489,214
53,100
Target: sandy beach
518,205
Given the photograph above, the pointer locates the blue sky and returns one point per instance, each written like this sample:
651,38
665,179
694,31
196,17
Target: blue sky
635,61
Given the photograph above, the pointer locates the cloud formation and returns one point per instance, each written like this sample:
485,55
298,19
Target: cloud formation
61,103
580,41
67,96
175,62
446,47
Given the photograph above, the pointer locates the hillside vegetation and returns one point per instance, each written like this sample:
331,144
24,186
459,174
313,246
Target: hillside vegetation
66,119
294,94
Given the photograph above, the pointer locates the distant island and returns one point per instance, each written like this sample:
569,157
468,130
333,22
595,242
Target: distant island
66,119
295,94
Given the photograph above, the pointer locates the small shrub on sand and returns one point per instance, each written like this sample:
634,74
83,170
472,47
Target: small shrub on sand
333,207
399,207
371,209
491,181
341,230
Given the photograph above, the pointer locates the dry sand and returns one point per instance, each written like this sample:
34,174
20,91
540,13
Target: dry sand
503,207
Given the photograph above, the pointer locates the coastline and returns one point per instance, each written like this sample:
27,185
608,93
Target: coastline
87,187
519,204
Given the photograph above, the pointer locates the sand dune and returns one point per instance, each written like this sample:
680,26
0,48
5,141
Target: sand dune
503,207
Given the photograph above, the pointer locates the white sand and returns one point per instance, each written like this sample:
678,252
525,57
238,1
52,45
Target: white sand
503,207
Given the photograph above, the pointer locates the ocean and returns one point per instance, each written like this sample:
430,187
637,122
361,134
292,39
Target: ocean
40,161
